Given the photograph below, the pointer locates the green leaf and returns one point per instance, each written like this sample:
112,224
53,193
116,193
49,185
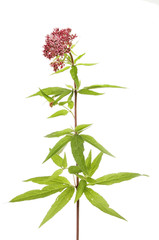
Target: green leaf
94,143
82,127
98,201
116,178
80,189
79,57
49,99
86,64
60,97
89,92
69,86
88,160
74,169
59,180
34,194
74,76
95,164
64,162
56,91
57,160
59,203
59,113
77,151
58,146
59,133
56,173
102,86
40,180
61,70
70,104
91,180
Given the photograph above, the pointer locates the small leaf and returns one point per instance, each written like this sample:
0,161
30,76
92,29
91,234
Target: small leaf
87,64
49,99
98,201
61,70
70,104
59,113
59,145
102,86
59,133
56,173
74,76
61,97
82,127
69,86
74,169
94,143
35,194
40,180
77,151
88,160
80,189
57,160
116,178
64,162
79,57
89,92
56,91
59,203
95,164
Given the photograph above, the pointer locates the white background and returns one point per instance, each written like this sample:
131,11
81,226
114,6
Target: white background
123,37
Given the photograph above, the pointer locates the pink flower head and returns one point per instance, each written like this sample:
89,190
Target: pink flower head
58,43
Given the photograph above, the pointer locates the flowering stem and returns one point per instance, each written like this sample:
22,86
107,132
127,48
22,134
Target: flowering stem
77,179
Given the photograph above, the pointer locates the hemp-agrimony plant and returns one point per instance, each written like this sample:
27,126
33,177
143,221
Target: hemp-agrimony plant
58,48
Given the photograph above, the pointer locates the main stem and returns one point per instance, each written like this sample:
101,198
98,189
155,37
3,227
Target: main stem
77,179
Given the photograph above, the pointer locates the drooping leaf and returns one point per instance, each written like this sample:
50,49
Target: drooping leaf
61,70
98,201
79,57
82,127
94,143
117,178
35,194
59,203
88,160
64,162
58,146
59,113
80,189
102,86
56,173
49,99
59,133
89,92
56,91
86,64
95,164
57,160
74,169
74,76
77,151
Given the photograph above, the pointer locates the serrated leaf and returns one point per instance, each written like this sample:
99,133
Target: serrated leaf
64,162
80,189
102,86
79,57
59,113
74,76
89,92
58,146
77,151
59,203
88,160
98,201
49,99
61,70
86,64
110,179
56,173
52,91
74,169
35,194
94,143
82,127
57,160
59,133
95,164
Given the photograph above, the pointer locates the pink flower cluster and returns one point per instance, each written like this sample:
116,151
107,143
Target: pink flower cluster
57,44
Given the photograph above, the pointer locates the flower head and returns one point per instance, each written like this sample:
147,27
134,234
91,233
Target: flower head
58,43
